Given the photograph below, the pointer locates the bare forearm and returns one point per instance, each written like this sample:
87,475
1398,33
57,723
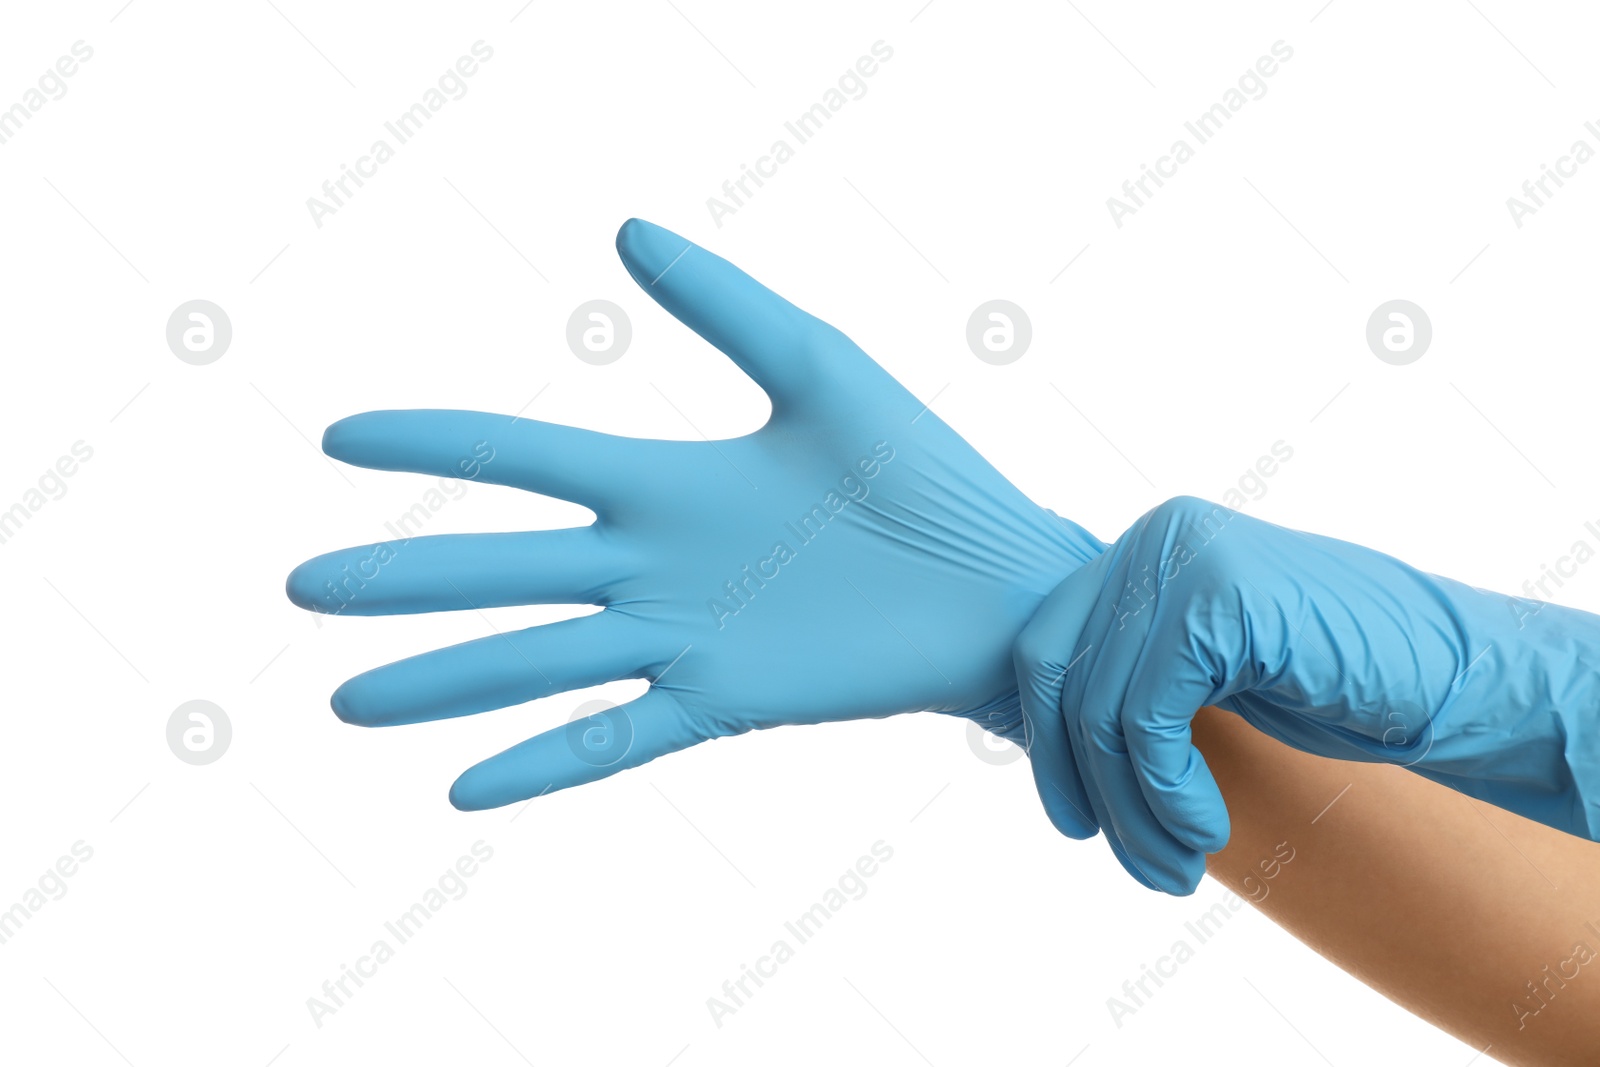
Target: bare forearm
1482,922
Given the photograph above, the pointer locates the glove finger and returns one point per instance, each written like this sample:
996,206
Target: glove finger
769,338
1044,653
588,468
1093,706
1102,814
1055,773
450,572
1172,775
582,751
497,672
1131,865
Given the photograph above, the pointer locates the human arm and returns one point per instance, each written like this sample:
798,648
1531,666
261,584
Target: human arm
1482,922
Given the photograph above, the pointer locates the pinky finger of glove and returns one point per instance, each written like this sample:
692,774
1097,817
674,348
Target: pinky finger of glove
582,751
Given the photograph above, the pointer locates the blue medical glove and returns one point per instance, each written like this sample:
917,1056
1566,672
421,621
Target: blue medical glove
1327,646
853,558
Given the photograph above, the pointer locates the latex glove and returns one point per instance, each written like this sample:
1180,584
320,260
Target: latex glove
853,558
1333,648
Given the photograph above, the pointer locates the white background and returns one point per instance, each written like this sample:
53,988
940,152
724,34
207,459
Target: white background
1227,314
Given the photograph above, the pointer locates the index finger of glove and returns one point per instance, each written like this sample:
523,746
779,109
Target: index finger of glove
1045,651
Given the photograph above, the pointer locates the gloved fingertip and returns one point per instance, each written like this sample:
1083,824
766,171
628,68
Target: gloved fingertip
1177,872
1139,876
631,231
469,792
1186,888
350,706
1179,883
1070,825
365,439
1071,818
1208,838
647,250
303,586
1127,862
462,799
337,435
1182,877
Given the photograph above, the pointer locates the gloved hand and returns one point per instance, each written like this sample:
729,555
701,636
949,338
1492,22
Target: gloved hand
853,558
1327,646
